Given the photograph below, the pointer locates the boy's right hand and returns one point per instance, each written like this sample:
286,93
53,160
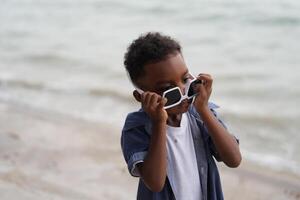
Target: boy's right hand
153,104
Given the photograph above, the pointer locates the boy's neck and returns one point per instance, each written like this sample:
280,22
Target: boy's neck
174,120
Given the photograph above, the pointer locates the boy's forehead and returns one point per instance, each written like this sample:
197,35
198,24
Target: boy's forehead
166,70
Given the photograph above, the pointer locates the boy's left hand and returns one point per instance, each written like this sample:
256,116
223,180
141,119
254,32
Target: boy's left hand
204,89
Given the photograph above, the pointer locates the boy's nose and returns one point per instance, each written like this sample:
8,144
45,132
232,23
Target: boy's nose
182,88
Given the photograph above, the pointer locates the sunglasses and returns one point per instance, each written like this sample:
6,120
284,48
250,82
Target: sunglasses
174,95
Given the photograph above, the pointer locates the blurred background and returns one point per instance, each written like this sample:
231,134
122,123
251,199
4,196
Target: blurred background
63,59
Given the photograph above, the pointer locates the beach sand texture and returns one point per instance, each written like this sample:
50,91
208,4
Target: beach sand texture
49,156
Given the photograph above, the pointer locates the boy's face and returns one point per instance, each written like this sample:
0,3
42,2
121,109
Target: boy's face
164,75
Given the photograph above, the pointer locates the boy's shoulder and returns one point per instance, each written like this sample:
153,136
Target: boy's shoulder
136,119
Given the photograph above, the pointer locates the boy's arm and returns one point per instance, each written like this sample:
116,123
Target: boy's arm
226,145
154,168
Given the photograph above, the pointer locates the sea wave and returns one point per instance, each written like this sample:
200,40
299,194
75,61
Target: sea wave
42,87
262,120
274,21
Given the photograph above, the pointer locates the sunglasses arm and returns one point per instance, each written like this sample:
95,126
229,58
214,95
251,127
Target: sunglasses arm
139,90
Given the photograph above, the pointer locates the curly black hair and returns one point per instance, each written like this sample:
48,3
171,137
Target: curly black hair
151,47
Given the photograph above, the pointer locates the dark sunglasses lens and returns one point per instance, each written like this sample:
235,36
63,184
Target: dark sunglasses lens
193,88
172,97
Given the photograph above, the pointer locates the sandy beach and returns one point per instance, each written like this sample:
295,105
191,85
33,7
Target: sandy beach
50,156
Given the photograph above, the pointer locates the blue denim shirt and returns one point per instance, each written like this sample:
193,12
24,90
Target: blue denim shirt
135,142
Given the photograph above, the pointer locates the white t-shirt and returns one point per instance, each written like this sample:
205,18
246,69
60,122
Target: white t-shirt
182,167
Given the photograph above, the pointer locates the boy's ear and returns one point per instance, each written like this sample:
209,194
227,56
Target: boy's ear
137,95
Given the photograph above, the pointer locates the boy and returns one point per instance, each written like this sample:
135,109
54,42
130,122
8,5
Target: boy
170,142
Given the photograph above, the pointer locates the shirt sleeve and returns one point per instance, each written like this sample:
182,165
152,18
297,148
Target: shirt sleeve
135,144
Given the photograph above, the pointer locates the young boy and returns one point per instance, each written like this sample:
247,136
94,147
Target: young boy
171,141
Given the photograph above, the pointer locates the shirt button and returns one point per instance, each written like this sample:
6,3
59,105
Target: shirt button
175,141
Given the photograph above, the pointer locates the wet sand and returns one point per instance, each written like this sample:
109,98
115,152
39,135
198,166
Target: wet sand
49,156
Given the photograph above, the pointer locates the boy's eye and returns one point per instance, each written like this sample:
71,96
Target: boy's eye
185,80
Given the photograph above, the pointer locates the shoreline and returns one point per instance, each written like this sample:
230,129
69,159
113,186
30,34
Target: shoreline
46,156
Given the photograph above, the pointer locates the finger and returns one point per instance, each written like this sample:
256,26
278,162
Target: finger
162,103
197,86
150,99
201,92
145,98
207,79
202,81
153,101
204,74
209,82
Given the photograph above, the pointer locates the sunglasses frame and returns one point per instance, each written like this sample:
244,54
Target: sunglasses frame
183,97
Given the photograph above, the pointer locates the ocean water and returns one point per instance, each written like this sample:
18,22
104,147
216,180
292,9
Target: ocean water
66,57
